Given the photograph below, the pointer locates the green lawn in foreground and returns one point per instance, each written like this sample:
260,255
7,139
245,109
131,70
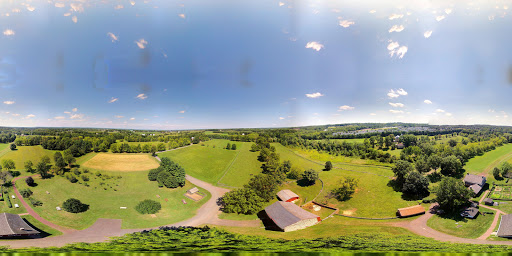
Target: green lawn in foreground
4,148
106,199
462,227
207,163
26,153
489,160
16,200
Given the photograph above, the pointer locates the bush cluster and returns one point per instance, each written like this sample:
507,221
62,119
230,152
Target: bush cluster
148,207
168,174
74,206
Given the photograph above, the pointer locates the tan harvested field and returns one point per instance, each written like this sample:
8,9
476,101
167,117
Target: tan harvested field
121,162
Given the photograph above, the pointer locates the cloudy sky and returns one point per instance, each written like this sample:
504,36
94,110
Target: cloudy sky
218,64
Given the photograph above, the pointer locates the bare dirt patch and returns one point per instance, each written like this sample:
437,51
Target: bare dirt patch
349,212
121,162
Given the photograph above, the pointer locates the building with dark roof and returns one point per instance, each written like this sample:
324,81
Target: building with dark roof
289,217
505,228
475,182
287,195
488,201
12,225
470,212
410,211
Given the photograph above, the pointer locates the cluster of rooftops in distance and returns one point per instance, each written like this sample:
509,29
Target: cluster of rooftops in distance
385,129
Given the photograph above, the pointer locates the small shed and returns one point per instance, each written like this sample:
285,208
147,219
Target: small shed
290,217
410,211
470,212
505,228
488,201
287,195
193,190
12,225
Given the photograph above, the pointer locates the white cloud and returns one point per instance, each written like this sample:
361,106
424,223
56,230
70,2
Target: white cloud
113,100
9,102
74,109
440,110
448,10
119,116
60,5
440,17
67,14
400,52
281,3
396,105
67,112
427,102
60,117
427,34
182,15
396,111
141,43
74,19
112,37
76,7
132,3
372,11
142,96
401,92
133,118
182,112
16,10
345,107
9,32
281,118
30,116
315,45
77,116
491,110
396,28
314,95
448,114
119,6
15,114
346,23
373,114
31,8
395,94
395,16
392,45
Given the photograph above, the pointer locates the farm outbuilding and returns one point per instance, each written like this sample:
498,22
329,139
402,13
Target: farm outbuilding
488,201
290,217
505,228
287,195
410,211
470,212
193,190
12,225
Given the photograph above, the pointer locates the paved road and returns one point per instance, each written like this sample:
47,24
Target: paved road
105,228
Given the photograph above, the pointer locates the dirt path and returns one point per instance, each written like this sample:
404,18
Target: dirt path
34,213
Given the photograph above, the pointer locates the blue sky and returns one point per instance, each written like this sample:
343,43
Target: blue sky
202,64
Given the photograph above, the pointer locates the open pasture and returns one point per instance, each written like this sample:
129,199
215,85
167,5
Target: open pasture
121,162
26,153
486,162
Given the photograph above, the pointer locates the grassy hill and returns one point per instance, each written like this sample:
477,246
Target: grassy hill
489,160
26,153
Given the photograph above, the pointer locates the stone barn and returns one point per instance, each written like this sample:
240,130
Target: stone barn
12,225
290,217
287,195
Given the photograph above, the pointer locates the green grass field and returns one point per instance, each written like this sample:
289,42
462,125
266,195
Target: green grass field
486,162
462,227
16,200
4,148
26,153
105,196
243,167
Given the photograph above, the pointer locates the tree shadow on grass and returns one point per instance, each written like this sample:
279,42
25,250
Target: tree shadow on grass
304,183
394,185
414,197
455,216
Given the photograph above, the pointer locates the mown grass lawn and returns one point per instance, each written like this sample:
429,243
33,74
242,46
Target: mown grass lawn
4,206
105,196
26,153
206,163
454,224
243,167
4,148
489,160
332,227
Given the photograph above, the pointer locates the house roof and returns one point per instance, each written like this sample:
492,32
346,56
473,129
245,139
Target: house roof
411,210
505,229
12,224
475,179
193,190
488,200
470,212
476,188
286,194
285,213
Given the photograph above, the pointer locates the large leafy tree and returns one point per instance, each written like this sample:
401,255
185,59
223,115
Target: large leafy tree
169,174
450,165
242,201
451,194
345,188
264,185
310,176
416,185
401,170
8,164
328,166
74,206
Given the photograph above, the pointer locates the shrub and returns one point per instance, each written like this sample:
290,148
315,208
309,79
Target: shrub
74,206
8,201
148,207
77,172
294,174
14,173
98,174
328,166
86,170
30,181
25,193
153,174
85,177
35,202
71,177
